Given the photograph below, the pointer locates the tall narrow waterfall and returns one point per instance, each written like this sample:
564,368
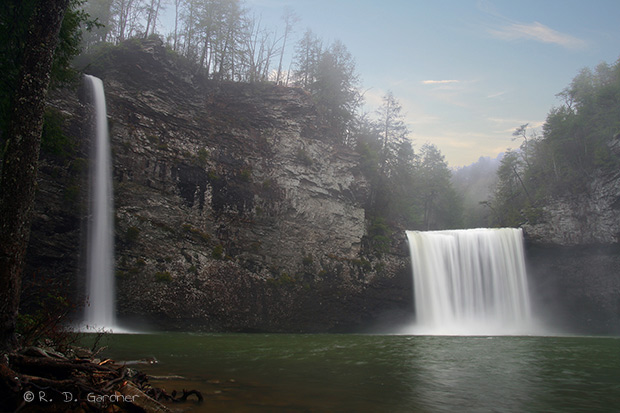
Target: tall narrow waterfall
470,282
100,308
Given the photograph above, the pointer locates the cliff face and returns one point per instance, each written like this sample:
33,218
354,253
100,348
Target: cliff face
233,212
574,256
589,217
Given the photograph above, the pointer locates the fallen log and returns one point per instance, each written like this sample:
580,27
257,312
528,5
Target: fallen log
142,400
36,378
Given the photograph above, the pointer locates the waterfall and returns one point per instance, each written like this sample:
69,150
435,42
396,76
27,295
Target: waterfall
100,309
470,282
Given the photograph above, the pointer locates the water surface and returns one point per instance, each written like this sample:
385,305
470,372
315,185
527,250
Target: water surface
383,373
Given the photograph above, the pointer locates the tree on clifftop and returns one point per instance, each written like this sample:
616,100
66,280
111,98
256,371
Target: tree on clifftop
22,136
441,206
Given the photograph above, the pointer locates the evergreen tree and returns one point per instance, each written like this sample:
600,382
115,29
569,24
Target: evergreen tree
509,197
335,90
441,206
308,52
394,134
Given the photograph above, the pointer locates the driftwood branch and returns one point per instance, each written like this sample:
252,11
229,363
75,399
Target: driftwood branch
95,385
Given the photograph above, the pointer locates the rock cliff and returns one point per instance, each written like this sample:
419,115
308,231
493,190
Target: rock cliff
589,217
574,255
233,210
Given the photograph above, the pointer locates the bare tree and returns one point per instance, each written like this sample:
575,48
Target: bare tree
521,133
122,10
190,19
290,19
260,47
152,11
175,36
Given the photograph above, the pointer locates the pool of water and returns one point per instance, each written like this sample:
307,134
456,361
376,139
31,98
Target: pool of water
381,373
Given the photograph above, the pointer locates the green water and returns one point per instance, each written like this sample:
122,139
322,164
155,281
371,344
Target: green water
382,373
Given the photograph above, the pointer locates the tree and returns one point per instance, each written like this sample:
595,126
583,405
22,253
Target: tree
576,135
189,17
336,92
510,196
290,19
521,133
394,132
152,11
308,52
125,12
101,12
175,33
260,47
441,206
20,163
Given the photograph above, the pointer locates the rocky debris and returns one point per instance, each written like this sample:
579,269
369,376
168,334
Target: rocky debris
36,379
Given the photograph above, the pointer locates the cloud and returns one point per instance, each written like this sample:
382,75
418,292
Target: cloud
438,82
496,95
513,121
517,122
538,32
271,3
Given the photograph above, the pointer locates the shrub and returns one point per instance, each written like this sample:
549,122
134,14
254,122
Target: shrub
132,234
245,175
218,252
379,233
307,260
163,276
202,157
303,157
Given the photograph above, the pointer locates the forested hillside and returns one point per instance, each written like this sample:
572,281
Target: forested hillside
576,145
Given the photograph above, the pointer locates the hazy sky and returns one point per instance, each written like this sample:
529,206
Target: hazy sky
466,72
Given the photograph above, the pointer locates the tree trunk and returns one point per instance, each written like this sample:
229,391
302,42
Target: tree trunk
20,163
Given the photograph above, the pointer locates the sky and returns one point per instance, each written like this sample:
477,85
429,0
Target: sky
467,73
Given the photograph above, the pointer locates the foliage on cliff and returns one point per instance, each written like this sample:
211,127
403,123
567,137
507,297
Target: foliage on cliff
575,144
14,24
409,190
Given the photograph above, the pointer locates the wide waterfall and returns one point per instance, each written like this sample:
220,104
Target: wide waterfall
470,282
100,309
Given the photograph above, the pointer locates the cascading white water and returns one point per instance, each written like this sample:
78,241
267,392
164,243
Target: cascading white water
470,282
100,309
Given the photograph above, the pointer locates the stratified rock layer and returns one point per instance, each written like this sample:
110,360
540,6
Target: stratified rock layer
233,210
